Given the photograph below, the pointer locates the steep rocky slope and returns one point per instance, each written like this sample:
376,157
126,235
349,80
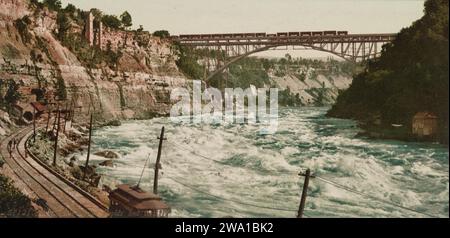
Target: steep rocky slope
315,87
137,87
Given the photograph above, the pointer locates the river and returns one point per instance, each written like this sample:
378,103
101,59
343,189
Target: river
234,171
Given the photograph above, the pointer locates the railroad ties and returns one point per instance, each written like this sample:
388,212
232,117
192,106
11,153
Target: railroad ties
62,198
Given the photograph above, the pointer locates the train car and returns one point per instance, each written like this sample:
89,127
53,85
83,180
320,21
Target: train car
305,33
329,33
294,33
238,35
282,34
250,35
317,33
342,33
184,37
205,36
218,36
271,35
261,34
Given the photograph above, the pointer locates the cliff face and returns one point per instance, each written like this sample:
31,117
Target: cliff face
315,87
136,87
13,9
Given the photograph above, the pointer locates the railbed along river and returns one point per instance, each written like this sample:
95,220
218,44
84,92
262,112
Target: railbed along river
235,171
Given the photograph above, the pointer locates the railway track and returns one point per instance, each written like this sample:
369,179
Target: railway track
62,198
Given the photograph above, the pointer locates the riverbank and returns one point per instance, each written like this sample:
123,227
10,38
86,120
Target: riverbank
73,139
373,129
407,85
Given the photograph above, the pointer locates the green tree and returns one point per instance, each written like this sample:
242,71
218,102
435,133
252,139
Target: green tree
54,5
161,34
411,75
63,22
111,21
70,8
188,63
126,19
12,202
12,95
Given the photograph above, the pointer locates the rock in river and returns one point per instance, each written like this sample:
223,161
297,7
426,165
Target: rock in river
107,154
107,163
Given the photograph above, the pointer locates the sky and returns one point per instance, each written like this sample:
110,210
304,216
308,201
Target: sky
226,16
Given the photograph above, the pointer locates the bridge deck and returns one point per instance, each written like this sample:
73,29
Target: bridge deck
220,39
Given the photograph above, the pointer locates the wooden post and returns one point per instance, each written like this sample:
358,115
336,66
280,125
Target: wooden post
56,139
56,117
34,124
301,208
89,149
157,164
65,118
48,118
71,113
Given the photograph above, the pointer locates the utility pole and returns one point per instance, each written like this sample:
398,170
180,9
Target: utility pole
301,207
72,105
48,117
157,164
56,117
34,124
89,149
65,118
56,139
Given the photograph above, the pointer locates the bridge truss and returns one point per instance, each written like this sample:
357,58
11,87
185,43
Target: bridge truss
352,47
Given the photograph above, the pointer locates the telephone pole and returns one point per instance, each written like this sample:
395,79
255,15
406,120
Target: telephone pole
56,139
65,118
301,207
34,124
157,164
48,117
89,149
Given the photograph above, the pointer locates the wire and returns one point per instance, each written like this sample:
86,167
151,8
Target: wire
230,200
373,197
320,178
143,169
270,172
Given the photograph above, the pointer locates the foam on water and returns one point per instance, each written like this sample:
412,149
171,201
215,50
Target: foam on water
239,163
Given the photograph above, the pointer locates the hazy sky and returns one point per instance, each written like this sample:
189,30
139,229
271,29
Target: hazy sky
221,16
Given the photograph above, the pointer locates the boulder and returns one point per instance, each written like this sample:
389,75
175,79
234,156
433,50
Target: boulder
112,123
107,154
107,163
73,161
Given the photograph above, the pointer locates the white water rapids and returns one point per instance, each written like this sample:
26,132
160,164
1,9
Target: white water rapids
222,171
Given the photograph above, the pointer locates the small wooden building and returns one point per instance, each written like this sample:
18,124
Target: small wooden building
131,201
425,124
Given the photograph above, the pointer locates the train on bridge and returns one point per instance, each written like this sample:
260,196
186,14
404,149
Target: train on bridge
260,35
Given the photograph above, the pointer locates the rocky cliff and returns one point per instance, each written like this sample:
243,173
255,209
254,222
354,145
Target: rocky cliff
313,86
137,86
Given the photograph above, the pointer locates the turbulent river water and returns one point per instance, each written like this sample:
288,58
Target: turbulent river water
235,171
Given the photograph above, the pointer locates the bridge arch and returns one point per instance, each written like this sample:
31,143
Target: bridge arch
265,48
351,47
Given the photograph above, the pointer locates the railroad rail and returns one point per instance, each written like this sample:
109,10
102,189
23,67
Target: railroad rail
63,199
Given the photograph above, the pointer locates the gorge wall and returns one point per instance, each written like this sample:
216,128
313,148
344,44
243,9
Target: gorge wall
135,80
137,87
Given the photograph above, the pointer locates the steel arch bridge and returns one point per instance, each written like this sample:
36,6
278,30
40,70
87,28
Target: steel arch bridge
351,47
